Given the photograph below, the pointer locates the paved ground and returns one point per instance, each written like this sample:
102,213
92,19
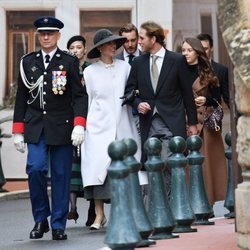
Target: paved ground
220,236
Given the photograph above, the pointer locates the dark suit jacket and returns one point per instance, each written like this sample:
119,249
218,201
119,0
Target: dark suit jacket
221,72
173,97
57,117
121,55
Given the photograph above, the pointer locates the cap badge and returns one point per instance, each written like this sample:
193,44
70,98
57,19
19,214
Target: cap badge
61,67
45,20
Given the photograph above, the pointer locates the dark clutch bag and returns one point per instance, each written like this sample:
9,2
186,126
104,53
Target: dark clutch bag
129,98
213,118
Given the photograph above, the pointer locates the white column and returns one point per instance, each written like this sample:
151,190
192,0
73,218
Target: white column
69,14
160,13
3,60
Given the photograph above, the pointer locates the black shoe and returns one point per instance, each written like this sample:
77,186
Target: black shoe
91,214
58,234
39,229
73,215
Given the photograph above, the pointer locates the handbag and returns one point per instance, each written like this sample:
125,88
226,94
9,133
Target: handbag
213,119
130,97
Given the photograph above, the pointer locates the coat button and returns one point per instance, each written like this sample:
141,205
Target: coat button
44,93
44,112
45,83
45,73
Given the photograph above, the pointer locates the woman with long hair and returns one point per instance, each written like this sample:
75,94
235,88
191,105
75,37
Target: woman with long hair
207,94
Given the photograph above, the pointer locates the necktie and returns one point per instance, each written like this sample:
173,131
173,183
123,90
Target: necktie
130,59
47,58
154,72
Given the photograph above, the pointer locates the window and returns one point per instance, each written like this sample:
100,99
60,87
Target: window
22,39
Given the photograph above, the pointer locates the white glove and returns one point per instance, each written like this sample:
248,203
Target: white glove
19,142
77,135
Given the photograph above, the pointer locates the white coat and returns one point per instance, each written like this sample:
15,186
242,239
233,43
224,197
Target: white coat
107,120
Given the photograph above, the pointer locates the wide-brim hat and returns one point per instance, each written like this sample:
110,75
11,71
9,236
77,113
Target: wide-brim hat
101,37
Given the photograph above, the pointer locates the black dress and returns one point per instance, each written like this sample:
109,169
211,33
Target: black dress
76,185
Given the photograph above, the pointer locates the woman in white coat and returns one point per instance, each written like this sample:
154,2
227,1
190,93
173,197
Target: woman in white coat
107,120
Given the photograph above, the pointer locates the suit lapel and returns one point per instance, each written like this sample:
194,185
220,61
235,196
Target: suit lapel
165,69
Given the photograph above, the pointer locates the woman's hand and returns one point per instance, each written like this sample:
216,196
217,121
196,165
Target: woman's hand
200,100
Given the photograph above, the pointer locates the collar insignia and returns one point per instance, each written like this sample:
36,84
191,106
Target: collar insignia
34,68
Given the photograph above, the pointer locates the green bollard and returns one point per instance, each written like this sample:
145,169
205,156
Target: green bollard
121,231
159,210
179,199
229,201
197,192
143,224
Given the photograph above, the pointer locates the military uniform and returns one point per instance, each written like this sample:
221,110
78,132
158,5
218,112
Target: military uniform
50,103
46,109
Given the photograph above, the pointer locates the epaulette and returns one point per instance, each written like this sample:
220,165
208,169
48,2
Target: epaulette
69,53
28,54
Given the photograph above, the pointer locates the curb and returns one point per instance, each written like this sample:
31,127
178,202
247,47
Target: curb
15,195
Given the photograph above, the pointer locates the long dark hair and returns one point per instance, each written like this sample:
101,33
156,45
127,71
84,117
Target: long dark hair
205,70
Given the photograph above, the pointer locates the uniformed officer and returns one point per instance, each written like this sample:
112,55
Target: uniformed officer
50,111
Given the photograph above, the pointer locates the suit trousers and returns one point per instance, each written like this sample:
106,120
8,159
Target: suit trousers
59,158
158,127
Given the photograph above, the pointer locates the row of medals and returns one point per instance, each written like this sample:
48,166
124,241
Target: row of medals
58,82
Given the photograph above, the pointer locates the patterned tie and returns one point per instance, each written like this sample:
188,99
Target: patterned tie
47,58
130,59
154,72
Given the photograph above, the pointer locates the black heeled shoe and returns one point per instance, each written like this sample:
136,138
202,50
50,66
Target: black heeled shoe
91,214
73,215
39,229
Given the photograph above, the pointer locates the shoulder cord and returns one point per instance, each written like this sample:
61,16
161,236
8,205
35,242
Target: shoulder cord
32,86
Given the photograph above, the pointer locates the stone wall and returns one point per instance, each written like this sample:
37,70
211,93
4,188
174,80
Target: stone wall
234,19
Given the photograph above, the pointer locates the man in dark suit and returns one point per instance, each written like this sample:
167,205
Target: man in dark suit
128,54
50,111
131,45
164,98
220,70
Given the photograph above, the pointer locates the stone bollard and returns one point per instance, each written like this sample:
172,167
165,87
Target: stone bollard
229,201
197,192
143,224
121,231
179,199
159,210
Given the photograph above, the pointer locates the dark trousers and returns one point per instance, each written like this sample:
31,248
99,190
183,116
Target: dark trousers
59,158
159,127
